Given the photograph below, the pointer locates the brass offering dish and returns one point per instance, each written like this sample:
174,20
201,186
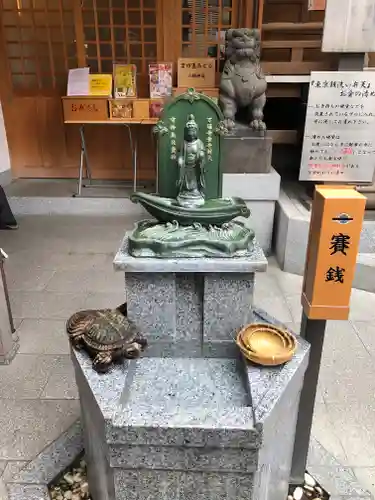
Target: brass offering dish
266,344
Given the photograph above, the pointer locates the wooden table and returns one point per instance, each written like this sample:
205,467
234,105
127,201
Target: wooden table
84,163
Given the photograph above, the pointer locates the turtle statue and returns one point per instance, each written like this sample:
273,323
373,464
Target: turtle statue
106,334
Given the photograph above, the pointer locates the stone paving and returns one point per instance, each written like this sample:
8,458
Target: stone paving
59,264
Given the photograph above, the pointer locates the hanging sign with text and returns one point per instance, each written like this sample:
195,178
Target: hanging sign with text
339,140
317,5
335,229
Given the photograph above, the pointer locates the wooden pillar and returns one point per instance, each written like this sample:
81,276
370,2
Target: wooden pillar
246,18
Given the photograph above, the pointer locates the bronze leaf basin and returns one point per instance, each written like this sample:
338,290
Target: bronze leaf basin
266,344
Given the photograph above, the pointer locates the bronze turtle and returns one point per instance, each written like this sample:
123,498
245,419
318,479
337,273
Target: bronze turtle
106,334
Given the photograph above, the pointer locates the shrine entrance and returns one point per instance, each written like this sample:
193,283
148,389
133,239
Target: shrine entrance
40,40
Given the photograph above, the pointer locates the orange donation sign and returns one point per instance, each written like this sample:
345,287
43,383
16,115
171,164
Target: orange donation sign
335,229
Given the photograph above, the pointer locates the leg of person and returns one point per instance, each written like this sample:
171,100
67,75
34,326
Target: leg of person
7,219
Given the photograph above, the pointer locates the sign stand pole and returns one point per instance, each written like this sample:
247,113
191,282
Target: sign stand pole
335,229
336,218
313,331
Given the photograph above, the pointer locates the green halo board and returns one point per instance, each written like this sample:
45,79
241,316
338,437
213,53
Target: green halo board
170,130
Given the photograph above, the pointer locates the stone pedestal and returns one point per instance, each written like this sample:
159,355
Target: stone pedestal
246,152
261,192
191,307
248,174
184,423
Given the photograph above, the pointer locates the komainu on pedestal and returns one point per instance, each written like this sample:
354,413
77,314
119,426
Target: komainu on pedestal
243,84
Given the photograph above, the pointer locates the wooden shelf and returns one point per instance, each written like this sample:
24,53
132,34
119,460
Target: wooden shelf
296,68
291,44
84,109
129,121
316,26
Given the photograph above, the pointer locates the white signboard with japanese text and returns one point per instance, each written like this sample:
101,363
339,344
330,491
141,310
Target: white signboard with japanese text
339,140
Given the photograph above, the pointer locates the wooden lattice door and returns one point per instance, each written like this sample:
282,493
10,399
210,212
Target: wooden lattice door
204,23
41,39
37,43
122,31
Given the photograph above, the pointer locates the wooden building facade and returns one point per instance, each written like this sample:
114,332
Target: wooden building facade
41,39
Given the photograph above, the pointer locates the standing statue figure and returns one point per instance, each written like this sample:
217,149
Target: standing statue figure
191,181
243,84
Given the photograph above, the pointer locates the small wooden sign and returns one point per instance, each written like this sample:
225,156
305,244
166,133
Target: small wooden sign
141,108
317,4
335,229
85,109
196,72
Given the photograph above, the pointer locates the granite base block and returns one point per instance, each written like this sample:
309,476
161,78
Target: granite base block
167,485
227,302
183,458
194,312
182,428
338,480
151,301
191,309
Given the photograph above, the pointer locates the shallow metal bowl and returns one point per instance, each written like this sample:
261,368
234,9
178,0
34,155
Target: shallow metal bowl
266,344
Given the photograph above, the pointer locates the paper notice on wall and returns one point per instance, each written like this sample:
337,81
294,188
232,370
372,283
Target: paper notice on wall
78,82
317,5
338,143
101,85
356,19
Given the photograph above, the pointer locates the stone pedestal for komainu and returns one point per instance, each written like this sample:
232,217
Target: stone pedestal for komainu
246,152
192,420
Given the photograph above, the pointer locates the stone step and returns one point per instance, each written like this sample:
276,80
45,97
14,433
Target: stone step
54,205
57,196
364,278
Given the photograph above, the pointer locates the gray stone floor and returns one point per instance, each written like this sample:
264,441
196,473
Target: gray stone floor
59,264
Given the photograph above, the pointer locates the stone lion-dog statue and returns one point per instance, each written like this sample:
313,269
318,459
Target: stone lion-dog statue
243,84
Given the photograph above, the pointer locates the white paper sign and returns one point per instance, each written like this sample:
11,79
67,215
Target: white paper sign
78,82
339,140
349,26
